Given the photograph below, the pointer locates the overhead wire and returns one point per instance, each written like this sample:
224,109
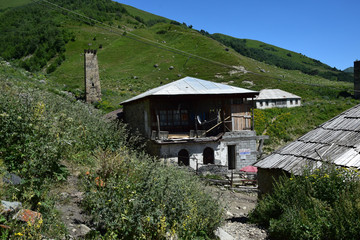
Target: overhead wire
153,43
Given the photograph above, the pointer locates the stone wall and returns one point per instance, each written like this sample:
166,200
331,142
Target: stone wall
245,147
92,80
137,116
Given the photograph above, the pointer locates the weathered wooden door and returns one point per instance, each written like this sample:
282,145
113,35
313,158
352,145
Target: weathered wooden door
240,117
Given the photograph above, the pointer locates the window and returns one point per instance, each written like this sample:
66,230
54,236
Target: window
296,102
173,118
291,102
280,102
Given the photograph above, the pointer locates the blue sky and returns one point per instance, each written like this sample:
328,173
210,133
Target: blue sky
326,30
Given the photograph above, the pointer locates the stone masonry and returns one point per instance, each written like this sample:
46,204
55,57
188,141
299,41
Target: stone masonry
92,80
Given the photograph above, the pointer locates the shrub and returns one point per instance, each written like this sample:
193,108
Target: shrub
322,204
135,197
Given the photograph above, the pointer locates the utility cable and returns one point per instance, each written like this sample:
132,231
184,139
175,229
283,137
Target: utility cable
167,48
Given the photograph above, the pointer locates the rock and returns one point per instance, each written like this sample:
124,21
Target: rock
156,65
26,215
222,235
84,229
42,81
229,214
8,207
171,67
179,75
244,208
12,179
64,195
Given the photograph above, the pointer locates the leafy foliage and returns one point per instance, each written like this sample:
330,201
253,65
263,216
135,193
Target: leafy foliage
34,34
322,204
134,197
40,130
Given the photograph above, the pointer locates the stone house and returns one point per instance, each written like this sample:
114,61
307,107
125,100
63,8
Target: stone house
195,122
336,141
271,98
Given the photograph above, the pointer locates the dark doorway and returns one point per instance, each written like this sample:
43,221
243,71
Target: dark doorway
231,157
208,156
183,157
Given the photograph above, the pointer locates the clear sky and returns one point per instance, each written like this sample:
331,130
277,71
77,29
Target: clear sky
326,30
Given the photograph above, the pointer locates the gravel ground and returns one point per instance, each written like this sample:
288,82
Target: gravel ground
237,205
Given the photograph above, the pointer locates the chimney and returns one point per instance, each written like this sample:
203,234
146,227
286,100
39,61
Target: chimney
357,79
92,80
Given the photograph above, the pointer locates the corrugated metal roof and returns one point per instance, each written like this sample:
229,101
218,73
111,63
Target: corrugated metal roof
336,141
191,86
275,94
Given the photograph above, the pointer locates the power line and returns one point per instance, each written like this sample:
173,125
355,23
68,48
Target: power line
142,39
150,42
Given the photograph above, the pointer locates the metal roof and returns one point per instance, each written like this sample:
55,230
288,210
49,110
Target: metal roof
336,141
192,86
275,94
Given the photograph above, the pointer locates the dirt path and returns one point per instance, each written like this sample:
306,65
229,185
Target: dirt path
68,205
237,205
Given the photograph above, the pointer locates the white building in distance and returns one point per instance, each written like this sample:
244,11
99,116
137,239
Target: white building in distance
271,98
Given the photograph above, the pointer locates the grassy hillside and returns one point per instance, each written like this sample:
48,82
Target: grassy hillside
45,134
282,58
134,41
13,3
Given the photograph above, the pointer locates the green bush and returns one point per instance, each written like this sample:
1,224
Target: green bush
135,197
322,204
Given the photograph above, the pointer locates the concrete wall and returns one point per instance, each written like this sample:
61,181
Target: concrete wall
271,103
92,79
245,141
266,179
137,116
245,147
170,152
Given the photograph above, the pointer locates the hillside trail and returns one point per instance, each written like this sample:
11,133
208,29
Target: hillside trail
69,196
237,206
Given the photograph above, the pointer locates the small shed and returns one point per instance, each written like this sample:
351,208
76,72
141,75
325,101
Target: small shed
336,141
271,98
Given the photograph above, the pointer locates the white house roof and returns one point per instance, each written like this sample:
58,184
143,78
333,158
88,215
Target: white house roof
336,141
192,86
266,94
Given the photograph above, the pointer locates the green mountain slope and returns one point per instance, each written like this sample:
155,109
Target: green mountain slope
13,3
281,57
138,51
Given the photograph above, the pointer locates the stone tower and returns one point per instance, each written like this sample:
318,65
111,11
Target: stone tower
92,80
357,79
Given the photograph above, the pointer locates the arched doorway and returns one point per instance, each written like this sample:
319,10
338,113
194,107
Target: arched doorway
208,156
183,157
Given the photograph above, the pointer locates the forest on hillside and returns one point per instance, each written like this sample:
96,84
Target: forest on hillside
260,54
